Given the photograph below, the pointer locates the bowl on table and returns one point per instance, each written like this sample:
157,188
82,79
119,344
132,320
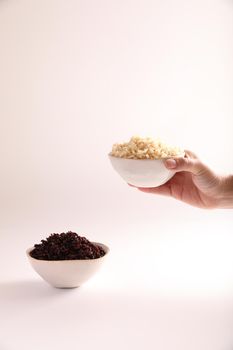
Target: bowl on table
67,273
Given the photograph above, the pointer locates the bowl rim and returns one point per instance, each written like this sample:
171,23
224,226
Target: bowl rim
182,155
104,246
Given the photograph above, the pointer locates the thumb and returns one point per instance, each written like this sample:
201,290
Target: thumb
191,165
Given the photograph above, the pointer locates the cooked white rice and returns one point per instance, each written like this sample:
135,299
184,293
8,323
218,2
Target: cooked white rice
144,148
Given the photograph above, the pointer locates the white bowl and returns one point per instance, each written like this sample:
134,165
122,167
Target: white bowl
142,172
67,273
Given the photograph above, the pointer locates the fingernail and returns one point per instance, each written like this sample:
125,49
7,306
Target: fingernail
170,163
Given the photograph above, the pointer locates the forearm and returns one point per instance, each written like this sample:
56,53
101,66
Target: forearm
225,197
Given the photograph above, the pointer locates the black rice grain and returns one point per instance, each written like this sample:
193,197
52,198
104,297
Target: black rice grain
66,246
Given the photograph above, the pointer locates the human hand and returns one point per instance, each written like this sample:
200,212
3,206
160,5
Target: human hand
196,184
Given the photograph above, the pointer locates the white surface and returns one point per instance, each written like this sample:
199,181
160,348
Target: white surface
77,76
163,288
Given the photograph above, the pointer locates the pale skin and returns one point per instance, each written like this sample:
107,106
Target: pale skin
196,184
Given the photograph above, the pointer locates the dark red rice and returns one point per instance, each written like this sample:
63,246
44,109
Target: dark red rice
66,246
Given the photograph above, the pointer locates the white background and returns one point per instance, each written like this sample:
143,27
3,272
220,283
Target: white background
75,77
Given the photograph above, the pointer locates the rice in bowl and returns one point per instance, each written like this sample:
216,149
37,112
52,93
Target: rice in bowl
145,148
